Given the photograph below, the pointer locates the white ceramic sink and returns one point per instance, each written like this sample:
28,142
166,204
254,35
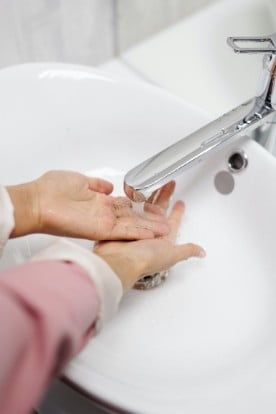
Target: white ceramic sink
205,340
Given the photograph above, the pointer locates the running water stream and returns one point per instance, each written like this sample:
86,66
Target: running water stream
138,208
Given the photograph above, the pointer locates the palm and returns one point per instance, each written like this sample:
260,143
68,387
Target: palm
74,205
155,254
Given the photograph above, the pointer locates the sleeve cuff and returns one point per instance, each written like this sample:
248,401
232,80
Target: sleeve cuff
107,283
6,217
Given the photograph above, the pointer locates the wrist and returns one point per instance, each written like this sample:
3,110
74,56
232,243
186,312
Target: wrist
26,216
127,272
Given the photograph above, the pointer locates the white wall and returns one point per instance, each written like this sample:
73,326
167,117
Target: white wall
138,19
81,31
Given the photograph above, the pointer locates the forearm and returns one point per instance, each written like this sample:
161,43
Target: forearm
18,212
47,312
26,209
6,217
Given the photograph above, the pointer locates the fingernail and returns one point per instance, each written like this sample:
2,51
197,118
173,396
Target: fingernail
202,253
180,203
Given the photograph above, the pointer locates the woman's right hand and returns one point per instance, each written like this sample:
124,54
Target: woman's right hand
70,204
135,259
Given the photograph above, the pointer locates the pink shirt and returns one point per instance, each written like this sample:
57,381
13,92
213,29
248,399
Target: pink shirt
49,308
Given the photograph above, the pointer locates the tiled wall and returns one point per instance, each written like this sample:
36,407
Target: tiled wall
81,31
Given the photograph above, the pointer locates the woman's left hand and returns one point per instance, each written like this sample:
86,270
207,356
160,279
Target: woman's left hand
70,204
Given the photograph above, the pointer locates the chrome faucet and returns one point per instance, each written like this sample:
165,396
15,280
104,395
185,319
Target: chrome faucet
150,175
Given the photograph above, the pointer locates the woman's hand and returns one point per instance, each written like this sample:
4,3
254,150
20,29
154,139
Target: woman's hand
133,260
74,205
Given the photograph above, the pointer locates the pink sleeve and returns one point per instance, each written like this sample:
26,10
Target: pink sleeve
48,311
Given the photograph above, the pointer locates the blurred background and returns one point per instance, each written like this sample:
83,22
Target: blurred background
82,31
179,45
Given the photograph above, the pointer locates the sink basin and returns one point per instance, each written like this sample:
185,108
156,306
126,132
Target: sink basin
205,340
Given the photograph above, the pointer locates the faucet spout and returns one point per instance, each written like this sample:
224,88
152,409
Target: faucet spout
145,178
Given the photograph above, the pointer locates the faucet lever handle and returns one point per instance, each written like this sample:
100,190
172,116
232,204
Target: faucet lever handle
268,44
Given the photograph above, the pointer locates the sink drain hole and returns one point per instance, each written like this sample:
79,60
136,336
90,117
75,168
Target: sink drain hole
237,161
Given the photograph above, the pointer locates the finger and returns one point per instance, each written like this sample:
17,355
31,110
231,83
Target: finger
160,217
152,208
185,251
164,196
100,185
153,196
175,218
139,229
130,233
159,228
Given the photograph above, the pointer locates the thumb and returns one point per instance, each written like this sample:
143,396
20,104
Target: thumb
185,251
99,185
